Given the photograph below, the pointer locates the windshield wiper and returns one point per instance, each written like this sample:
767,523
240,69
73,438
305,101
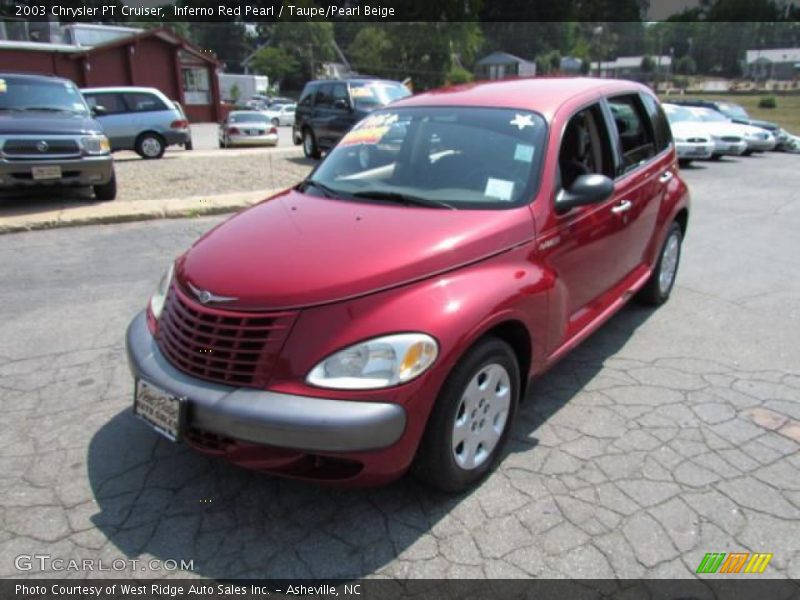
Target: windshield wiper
328,192
401,198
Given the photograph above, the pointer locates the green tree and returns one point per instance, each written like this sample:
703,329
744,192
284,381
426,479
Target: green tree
308,43
685,65
647,66
226,39
274,63
370,51
458,75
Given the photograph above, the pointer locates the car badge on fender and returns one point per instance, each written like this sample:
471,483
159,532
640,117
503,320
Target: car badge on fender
206,297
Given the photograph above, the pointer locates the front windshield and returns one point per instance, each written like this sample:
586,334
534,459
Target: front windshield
253,117
676,114
711,116
734,111
26,93
456,156
373,94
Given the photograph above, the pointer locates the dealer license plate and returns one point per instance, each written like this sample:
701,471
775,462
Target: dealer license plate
159,409
48,172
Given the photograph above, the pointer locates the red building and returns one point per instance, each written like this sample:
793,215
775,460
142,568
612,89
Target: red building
158,58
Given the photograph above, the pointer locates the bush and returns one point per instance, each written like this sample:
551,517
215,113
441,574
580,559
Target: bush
458,75
767,102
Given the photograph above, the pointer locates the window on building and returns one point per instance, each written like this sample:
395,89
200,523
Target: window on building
196,85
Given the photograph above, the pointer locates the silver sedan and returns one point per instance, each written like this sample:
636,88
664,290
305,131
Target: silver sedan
247,128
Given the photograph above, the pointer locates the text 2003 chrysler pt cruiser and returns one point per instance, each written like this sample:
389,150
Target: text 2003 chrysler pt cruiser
388,312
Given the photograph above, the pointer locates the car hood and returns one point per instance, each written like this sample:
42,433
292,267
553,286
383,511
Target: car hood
295,250
726,129
46,123
686,129
764,124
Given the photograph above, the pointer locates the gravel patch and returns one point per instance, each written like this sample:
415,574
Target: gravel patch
172,177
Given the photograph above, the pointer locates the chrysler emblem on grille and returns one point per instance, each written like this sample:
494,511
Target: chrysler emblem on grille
206,297
42,146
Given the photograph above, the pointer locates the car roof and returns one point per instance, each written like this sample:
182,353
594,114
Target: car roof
33,76
542,94
354,80
121,88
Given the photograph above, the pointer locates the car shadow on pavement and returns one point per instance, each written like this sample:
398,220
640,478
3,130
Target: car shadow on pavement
160,500
27,202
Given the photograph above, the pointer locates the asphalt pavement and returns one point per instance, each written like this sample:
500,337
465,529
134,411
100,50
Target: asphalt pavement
667,435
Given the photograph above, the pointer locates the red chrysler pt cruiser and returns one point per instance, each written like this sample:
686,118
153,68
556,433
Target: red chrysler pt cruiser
388,312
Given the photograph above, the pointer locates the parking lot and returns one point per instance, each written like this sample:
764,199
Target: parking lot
665,436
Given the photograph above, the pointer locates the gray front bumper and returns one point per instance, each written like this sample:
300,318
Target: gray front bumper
89,170
284,420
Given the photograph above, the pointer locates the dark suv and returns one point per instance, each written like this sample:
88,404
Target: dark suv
328,109
48,137
737,114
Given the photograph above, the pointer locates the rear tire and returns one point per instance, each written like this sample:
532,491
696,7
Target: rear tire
188,145
150,145
472,418
658,288
310,148
106,191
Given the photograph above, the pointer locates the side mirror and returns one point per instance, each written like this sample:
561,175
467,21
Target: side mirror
99,111
341,105
587,189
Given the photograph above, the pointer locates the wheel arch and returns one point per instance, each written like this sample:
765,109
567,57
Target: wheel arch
515,334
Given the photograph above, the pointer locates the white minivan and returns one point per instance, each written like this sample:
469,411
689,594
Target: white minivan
139,118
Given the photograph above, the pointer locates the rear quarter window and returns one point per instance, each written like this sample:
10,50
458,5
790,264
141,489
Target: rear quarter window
144,102
635,135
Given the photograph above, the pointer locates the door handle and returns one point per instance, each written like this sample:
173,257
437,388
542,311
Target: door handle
621,207
665,177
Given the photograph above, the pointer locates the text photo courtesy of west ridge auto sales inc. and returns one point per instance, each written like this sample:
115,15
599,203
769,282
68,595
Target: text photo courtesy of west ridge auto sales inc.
399,300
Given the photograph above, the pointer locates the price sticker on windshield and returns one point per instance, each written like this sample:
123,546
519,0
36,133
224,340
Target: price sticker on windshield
3,86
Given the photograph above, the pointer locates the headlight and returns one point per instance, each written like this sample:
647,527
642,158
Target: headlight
96,144
158,299
377,363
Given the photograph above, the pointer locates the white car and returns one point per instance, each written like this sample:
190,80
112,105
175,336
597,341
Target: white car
727,138
247,128
281,114
691,137
756,138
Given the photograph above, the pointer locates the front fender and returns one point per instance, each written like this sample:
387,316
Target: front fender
456,308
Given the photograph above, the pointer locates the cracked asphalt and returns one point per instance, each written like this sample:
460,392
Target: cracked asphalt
666,435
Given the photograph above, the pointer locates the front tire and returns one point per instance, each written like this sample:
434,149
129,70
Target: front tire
472,418
275,122
658,288
684,162
310,148
150,145
106,191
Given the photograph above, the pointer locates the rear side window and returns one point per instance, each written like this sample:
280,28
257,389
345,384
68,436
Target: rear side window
661,129
307,96
324,97
111,102
143,102
635,131
340,94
